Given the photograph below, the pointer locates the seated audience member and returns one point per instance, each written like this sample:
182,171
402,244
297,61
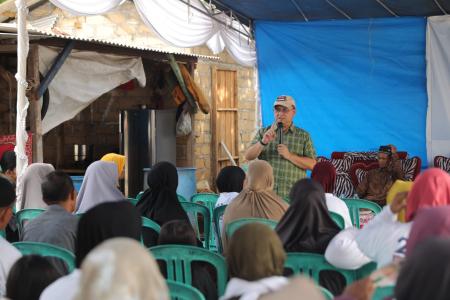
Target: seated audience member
384,238
121,268
102,222
29,276
30,185
425,273
99,185
8,253
257,200
376,184
255,260
229,182
180,232
325,174
8,165
159,202
298,288
57,225
308,227
119,160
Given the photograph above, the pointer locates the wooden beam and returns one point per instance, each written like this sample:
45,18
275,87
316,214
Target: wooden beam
8,49
35,105
57,64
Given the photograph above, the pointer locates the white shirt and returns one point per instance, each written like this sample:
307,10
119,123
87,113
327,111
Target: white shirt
338,206
64,288
252,290
8,256
379,240
225,198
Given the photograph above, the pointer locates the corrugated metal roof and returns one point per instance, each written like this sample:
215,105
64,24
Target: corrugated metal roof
39,33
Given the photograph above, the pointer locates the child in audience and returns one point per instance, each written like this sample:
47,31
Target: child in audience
29,276
229,182
180,232
255,260
120,268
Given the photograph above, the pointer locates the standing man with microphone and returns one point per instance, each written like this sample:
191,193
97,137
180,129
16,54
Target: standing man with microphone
289,149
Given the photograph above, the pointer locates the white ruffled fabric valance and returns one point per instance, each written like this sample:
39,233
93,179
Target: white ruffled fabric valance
179,24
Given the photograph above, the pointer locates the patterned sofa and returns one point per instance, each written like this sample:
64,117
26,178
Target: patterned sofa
442,162
343,162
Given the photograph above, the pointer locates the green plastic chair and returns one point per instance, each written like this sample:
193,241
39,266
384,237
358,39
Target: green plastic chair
26,215
181,198
233,226
181,291
217,216
139,196
384,292
209,200
311,264
354,205
133,200
338,219
3,234
326,293
47,250
178,259
147,223
194,209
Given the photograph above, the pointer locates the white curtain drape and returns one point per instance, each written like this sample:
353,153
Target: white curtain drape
438,86
86,7
84,77
180,25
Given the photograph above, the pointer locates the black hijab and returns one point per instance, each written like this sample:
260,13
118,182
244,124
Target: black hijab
230,179
160,202
306,226
426,272
105,221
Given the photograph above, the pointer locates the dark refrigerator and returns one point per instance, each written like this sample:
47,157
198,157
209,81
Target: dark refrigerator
147,136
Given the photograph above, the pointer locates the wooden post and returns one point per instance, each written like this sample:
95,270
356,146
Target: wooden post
35,105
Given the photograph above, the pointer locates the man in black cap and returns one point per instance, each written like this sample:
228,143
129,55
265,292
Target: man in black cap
377,183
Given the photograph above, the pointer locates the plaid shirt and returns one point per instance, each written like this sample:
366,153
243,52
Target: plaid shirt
286,173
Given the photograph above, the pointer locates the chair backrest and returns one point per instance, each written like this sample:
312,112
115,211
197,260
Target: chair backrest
338,219
233,226
26,215
192,209
47,250
209,200
147,223
384,292
178,260
139,196
181,198
354,205
3,234
442,162
217,216
133,200
311,264
181,291
326,293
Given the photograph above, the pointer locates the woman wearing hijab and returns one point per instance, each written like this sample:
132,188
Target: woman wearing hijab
159,202
30,185
104,221
384,238
426,272
119,160
229,182
255,260
257,200
308,227
121,269
325,173
99,185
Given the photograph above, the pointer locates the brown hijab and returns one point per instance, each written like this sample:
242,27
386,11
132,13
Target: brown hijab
255,252
257,200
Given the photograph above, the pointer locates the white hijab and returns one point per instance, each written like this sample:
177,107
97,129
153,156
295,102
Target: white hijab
30,185
120,268
99,186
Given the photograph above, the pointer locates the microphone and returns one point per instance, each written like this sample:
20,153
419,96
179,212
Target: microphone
280,132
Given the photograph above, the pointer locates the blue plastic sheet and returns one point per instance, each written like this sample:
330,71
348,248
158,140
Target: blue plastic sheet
358,84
